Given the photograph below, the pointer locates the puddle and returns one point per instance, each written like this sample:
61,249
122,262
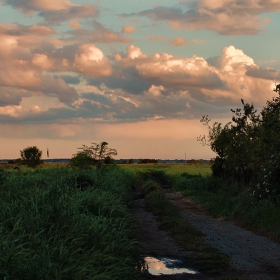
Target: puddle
165,266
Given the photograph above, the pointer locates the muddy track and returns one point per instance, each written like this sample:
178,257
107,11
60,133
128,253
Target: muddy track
254,257
157,243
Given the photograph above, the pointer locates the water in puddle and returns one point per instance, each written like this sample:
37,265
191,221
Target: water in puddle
165,266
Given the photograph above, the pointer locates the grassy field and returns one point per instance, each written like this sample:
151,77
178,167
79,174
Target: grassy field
169,169
59,223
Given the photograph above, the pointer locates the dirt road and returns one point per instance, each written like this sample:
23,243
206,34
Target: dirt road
253,257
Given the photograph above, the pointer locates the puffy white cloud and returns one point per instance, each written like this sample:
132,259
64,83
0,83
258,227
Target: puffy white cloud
134,52
91,61
162,85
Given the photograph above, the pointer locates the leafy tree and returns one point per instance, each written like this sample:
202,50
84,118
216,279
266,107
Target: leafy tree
96,154
248,148
81,160
31,156
235,143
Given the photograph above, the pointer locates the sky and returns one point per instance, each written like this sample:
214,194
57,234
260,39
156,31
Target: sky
138,74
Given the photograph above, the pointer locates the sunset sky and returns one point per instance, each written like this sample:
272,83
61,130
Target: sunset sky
138,74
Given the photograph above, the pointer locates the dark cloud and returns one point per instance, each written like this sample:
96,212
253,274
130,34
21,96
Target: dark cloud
83,11
263,73
70,79
127,79
9,97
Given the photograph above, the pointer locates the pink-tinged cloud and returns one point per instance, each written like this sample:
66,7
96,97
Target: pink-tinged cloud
16,35
230,17
99,34
174,86
90,61
177,41
129,29
54,12
75,24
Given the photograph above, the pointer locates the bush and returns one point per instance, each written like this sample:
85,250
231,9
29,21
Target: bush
31,156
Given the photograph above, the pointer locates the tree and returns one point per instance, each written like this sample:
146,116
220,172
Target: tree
96,154
236,144
248,148
31,156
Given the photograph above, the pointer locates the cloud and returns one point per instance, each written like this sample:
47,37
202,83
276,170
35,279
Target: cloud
54,12
263,73
230,17
99,34
75,24
90,61
165,86
129,29
177,41
126,86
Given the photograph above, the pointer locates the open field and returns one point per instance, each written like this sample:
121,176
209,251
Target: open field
170,169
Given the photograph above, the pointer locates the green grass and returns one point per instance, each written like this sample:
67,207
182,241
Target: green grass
59,223
168,168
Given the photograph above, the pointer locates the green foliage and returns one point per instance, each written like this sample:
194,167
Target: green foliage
248,149
81,160
59,223
31,156
150,186
96,154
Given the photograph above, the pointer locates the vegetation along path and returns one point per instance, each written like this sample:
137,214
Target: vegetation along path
251,256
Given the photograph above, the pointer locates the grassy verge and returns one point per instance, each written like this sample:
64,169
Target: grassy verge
65,224
231,202
203,257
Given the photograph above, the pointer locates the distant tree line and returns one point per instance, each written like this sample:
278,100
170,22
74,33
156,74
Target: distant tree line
147,160
248,148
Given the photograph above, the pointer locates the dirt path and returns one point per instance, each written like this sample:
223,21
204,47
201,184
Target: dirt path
157,243
255,257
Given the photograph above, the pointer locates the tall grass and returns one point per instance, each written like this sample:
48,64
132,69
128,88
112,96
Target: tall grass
67,224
